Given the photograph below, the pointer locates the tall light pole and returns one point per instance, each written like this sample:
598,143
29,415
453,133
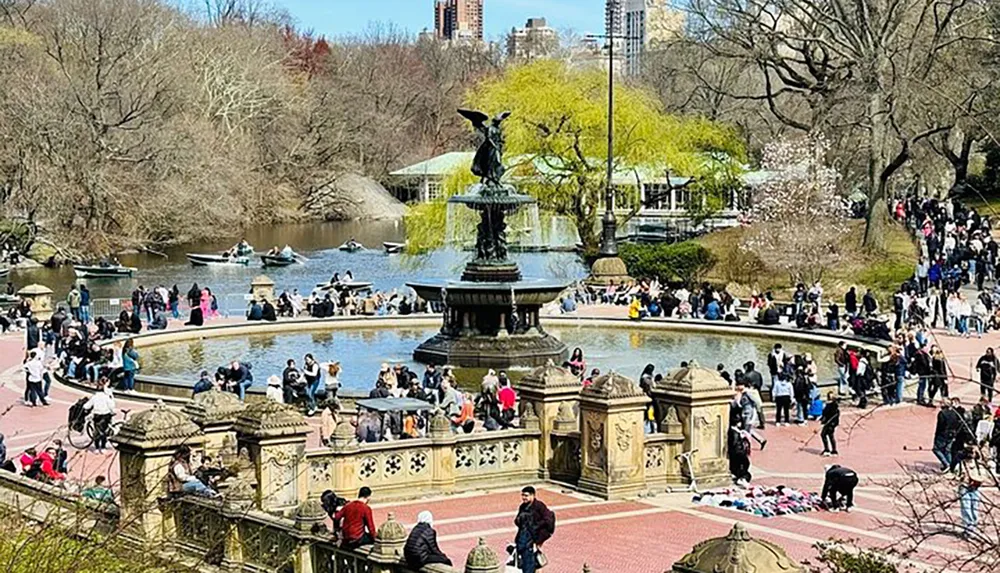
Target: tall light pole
608,267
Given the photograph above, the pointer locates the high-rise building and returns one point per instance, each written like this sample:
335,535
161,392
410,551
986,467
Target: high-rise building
534,40
458,19
647,23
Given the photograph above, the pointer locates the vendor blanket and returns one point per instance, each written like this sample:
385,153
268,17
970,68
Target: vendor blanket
762,501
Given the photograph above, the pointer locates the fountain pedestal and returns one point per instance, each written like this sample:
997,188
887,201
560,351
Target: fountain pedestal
491,315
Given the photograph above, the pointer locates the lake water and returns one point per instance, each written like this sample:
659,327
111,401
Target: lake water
318,242
361,351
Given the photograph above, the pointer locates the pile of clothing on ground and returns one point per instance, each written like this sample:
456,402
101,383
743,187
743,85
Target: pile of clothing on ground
762,501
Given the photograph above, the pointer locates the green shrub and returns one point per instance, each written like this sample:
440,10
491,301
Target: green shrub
687,262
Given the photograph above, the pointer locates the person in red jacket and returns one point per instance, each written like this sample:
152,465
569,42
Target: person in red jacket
48,465
355,521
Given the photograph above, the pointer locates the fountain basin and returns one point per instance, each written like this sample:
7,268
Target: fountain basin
528,292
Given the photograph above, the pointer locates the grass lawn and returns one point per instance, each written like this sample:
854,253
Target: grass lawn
882,273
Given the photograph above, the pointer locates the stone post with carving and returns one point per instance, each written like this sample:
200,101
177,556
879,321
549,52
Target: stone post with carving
146,445
275,438
216,412
442,462
700,397
39,299
612,440
482,559
388,550
548,392
309,516
262,288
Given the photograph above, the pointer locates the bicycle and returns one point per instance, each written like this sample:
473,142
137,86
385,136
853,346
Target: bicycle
83,437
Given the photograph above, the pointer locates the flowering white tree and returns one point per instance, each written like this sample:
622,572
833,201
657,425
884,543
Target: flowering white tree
797,219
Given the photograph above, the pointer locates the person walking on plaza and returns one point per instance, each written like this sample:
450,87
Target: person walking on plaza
754,383
838,487
535,525
947,426
102,407
355,522
974,475
829,421
34,370
421,546
746,413
987,368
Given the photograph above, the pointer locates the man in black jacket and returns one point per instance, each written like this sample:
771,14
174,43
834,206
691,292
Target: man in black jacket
987,368
535,525
948,424
829,421
839,483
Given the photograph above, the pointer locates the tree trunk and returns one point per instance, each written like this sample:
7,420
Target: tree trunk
878,212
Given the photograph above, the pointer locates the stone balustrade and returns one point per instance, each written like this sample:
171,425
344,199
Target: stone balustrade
443,462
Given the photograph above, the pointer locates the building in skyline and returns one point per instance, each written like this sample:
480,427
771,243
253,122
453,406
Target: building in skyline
646,23
535,40
458,20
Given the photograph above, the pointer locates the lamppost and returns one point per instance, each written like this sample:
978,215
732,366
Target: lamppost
608,266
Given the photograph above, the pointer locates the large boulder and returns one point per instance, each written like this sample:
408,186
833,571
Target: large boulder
353,197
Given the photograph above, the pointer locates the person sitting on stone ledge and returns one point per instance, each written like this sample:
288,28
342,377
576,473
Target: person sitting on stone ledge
355,521
465,419
255,311
180,479
421,546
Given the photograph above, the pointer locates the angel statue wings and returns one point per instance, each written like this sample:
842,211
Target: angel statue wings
488,163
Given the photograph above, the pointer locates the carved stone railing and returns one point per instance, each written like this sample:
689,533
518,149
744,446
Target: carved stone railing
663,469
413,468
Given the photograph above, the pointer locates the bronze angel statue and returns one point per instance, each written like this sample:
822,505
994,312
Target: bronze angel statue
488,163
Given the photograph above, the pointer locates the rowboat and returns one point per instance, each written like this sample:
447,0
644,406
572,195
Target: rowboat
351,246
277,260
393,248
103,271
4,271
201,260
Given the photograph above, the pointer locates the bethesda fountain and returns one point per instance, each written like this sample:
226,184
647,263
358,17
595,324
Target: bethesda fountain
491,314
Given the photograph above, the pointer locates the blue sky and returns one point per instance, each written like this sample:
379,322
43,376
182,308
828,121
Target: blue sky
333,18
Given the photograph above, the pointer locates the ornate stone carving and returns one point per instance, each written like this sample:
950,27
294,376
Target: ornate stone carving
612,385
654,457
465,457
623,436
308,514
511,452
390,538
393,465
671,422
550,376
367,468
343,435
482,559
319,473
694,380
418,463
737,552
566,418
488,455
440,426
158,425
529,418
214,407
267,418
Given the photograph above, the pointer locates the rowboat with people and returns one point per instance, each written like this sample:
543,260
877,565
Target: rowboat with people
351,246
208,260
103,270
281,257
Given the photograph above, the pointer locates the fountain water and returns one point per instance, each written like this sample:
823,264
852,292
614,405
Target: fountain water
479,328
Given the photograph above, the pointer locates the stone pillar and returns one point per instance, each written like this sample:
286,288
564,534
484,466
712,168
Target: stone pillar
343,467
215,412
40,299
275,436
482,559
146,444
389,541
612,441
549,390
737,551
442,462
700,397
262,288
309,516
